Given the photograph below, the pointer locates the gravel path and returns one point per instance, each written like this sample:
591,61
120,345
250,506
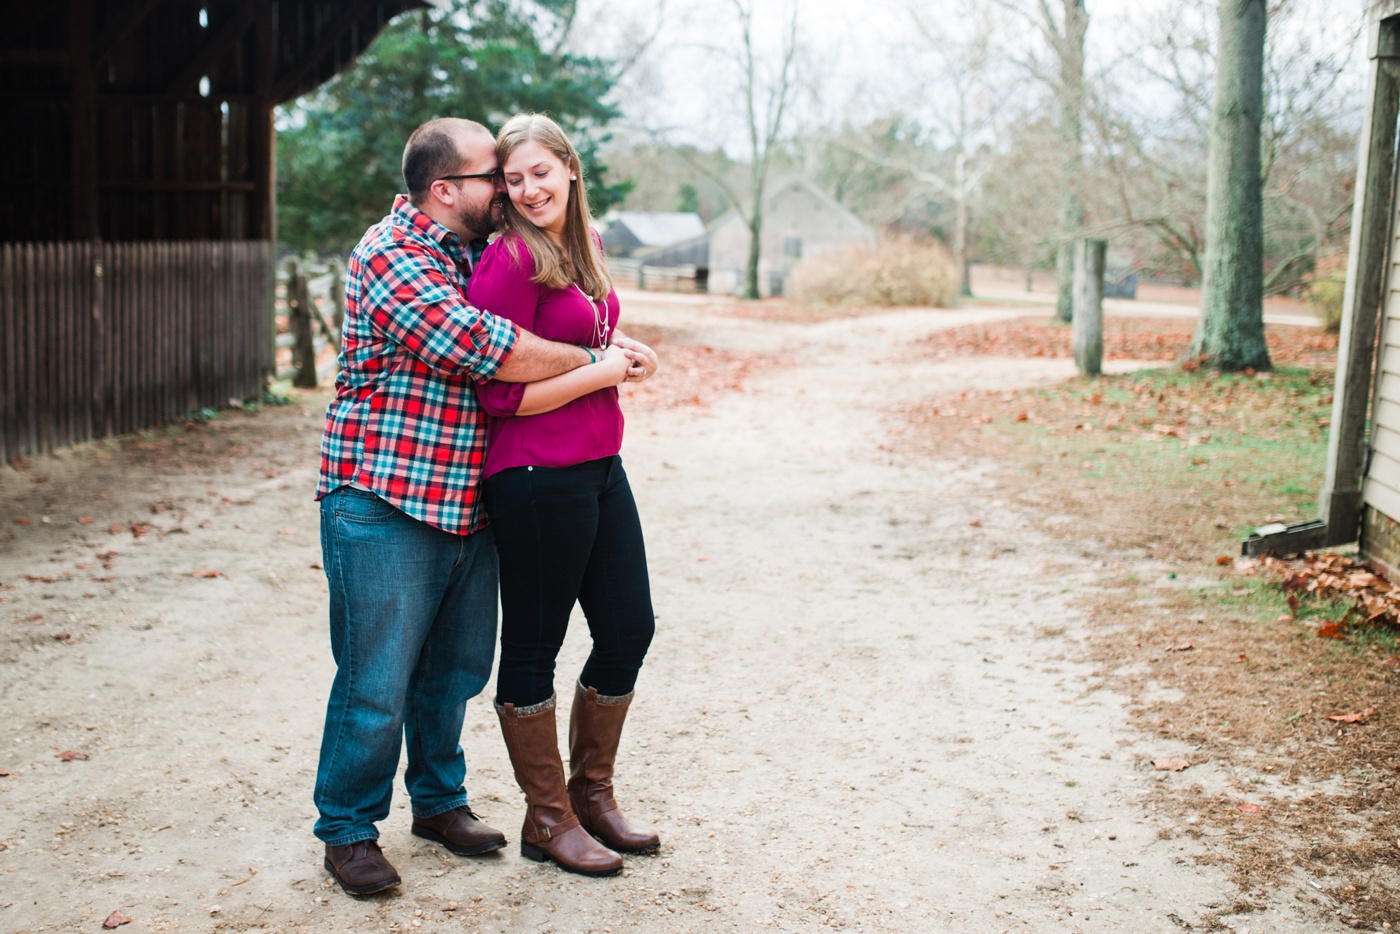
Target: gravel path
861,711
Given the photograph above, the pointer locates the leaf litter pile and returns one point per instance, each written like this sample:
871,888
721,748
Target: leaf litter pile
694,373
1282,677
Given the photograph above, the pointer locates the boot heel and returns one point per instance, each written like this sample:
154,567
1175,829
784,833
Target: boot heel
530,851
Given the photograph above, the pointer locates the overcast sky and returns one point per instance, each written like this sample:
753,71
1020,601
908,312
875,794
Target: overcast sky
864,55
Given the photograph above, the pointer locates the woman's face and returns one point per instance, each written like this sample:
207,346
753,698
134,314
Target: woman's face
538,185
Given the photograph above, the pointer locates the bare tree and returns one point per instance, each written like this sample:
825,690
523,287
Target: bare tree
1064,33
973,103
766,98
1230,330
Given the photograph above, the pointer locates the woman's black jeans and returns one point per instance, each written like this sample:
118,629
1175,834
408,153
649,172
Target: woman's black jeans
566,534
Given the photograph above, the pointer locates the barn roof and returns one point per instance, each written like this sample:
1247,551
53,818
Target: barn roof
660,228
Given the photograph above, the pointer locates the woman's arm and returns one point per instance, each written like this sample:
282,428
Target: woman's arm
549,394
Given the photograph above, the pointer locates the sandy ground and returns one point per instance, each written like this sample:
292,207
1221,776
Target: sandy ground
863,708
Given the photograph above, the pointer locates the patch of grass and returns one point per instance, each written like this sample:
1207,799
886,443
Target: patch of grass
1174,463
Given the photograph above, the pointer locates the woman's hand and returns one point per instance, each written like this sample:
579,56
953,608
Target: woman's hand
616,362
644,359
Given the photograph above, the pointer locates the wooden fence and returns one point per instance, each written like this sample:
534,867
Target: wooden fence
630,273
99,339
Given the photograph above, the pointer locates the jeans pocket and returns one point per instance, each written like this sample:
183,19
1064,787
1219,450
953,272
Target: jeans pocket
362,506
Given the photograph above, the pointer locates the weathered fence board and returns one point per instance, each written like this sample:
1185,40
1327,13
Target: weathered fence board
107,338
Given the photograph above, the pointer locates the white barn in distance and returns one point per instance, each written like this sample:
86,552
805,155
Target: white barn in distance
800,221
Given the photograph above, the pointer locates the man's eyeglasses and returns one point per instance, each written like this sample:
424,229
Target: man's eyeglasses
492,176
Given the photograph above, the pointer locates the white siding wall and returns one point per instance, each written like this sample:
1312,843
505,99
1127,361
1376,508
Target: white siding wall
1382,485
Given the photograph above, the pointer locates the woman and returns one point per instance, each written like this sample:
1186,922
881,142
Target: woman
565,524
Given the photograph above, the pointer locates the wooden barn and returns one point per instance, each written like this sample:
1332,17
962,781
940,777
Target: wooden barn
137,222
1360,499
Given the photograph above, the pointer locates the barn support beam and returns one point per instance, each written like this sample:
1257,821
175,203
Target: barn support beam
133,16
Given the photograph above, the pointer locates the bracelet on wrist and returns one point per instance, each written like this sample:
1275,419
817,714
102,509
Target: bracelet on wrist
592,357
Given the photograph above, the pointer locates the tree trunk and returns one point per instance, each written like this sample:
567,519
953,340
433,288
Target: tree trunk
962,250
1087,329
755,246
1070,97
1230,331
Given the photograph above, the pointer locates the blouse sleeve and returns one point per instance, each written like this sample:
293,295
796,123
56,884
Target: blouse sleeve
501,284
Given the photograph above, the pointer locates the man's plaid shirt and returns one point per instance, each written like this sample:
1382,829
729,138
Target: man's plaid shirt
405,422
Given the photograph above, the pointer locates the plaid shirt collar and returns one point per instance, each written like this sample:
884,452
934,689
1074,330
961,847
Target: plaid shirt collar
407,213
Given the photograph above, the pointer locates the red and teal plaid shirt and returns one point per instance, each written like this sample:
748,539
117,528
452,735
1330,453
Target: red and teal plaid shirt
405,422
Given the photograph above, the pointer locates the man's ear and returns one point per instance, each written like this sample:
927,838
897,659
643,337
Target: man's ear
443,191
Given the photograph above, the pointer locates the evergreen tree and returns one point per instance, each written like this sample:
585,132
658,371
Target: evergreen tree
339,149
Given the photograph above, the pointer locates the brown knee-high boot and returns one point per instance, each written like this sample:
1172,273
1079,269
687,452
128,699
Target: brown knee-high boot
595,729
551,830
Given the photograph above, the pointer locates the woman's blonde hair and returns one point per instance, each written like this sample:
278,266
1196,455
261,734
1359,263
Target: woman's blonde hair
578,259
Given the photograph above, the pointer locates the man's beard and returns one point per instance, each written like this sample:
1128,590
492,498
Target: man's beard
480,220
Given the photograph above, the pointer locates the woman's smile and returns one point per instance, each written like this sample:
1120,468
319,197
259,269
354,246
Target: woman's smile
539,185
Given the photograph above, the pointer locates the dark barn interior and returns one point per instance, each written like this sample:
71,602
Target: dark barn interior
137,223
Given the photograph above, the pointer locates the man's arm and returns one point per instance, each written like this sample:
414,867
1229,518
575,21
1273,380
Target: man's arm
534,358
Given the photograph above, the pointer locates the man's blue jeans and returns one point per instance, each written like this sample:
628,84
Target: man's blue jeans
413,629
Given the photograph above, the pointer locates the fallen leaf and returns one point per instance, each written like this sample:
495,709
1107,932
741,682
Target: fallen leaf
115,920
1251,808
68,755
976,523
65,638
21,522
1331,631
1181,647
1224,560
4,773
316,565
1352,717
114,528
207,573
85,520
1170,765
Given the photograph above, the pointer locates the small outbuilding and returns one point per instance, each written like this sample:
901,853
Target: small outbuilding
1360,499
629,233
799,221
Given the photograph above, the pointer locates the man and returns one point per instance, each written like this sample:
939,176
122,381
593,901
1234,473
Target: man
409,559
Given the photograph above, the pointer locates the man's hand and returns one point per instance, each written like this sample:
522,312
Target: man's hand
644,360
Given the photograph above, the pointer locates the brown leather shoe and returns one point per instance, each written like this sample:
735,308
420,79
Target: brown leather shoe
595,729
459,831
361,868
551,830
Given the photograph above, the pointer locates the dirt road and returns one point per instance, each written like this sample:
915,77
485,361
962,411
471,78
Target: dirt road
862,709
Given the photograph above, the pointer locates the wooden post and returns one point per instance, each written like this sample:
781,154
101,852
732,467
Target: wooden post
299,322
1340,502
337,299
1087,324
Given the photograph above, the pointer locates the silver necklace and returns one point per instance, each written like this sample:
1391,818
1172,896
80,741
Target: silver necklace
600,318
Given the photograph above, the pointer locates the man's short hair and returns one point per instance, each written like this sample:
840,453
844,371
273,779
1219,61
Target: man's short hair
432,152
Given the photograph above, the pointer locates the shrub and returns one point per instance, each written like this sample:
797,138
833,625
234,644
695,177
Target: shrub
1325,290
897,272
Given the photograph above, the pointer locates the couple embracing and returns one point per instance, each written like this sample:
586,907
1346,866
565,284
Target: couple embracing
474,437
